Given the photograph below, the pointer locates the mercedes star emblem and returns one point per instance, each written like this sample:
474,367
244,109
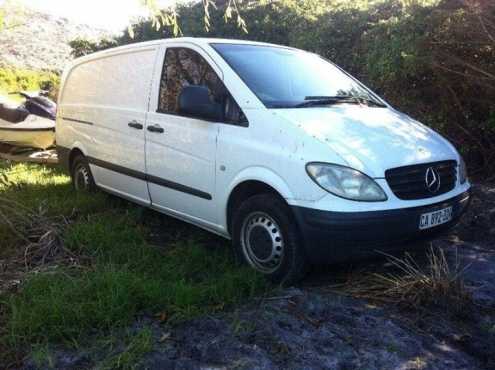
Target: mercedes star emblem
432,180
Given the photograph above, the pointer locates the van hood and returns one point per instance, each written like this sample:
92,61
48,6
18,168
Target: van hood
370,139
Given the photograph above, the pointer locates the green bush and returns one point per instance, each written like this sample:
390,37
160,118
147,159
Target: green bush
12,80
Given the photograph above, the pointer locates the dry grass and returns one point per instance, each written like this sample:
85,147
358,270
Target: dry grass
37,241
437,283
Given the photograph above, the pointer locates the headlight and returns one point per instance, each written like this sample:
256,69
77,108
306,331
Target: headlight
345,182
462,171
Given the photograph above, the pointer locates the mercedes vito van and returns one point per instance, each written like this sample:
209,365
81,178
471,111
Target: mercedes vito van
275,148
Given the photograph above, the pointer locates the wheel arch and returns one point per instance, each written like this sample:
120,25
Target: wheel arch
66,155
253,182
70,154
73,154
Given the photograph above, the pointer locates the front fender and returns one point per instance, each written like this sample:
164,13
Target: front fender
265,175
255,173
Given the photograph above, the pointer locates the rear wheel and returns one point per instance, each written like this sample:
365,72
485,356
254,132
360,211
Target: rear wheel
265,236
82,178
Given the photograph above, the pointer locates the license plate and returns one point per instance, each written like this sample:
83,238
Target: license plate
435,218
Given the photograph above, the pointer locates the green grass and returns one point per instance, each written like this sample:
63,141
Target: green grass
192,274
42,356
34,185
137,345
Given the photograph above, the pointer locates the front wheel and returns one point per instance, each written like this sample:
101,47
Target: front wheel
265,236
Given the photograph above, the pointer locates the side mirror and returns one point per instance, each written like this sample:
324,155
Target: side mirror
195,101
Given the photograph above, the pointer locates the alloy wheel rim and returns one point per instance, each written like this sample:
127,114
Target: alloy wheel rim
262,242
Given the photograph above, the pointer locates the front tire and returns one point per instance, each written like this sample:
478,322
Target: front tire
82,178
265,236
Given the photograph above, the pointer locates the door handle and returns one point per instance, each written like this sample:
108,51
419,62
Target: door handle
136,125
156,128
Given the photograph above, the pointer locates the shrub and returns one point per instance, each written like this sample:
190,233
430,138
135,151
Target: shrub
12,80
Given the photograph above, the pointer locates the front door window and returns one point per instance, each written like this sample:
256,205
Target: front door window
184,67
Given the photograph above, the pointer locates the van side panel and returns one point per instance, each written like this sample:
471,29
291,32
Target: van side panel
100,98
116,80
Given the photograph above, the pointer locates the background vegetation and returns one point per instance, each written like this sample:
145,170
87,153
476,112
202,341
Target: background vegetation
13,79
433,59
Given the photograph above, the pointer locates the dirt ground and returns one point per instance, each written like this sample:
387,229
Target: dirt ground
316,326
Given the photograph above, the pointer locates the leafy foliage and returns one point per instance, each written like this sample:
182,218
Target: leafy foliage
12,80
432,59
169,17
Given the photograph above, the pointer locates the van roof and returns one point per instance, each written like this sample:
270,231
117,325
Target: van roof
200,41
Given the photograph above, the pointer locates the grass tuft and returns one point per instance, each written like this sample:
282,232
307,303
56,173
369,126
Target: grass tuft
436,283
136,347
439,283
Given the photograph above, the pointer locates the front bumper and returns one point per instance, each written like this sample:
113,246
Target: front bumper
337,236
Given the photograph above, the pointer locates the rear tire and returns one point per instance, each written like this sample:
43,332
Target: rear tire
266,237
82,178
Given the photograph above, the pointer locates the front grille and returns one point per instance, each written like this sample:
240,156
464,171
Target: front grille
409,182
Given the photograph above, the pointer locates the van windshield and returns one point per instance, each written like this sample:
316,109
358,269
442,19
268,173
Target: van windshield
287,78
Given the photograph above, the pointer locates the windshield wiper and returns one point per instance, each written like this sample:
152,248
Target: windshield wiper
312,101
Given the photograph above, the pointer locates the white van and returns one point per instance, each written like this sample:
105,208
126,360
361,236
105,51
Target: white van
273,147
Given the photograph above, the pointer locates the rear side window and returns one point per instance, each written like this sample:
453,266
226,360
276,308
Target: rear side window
184,67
